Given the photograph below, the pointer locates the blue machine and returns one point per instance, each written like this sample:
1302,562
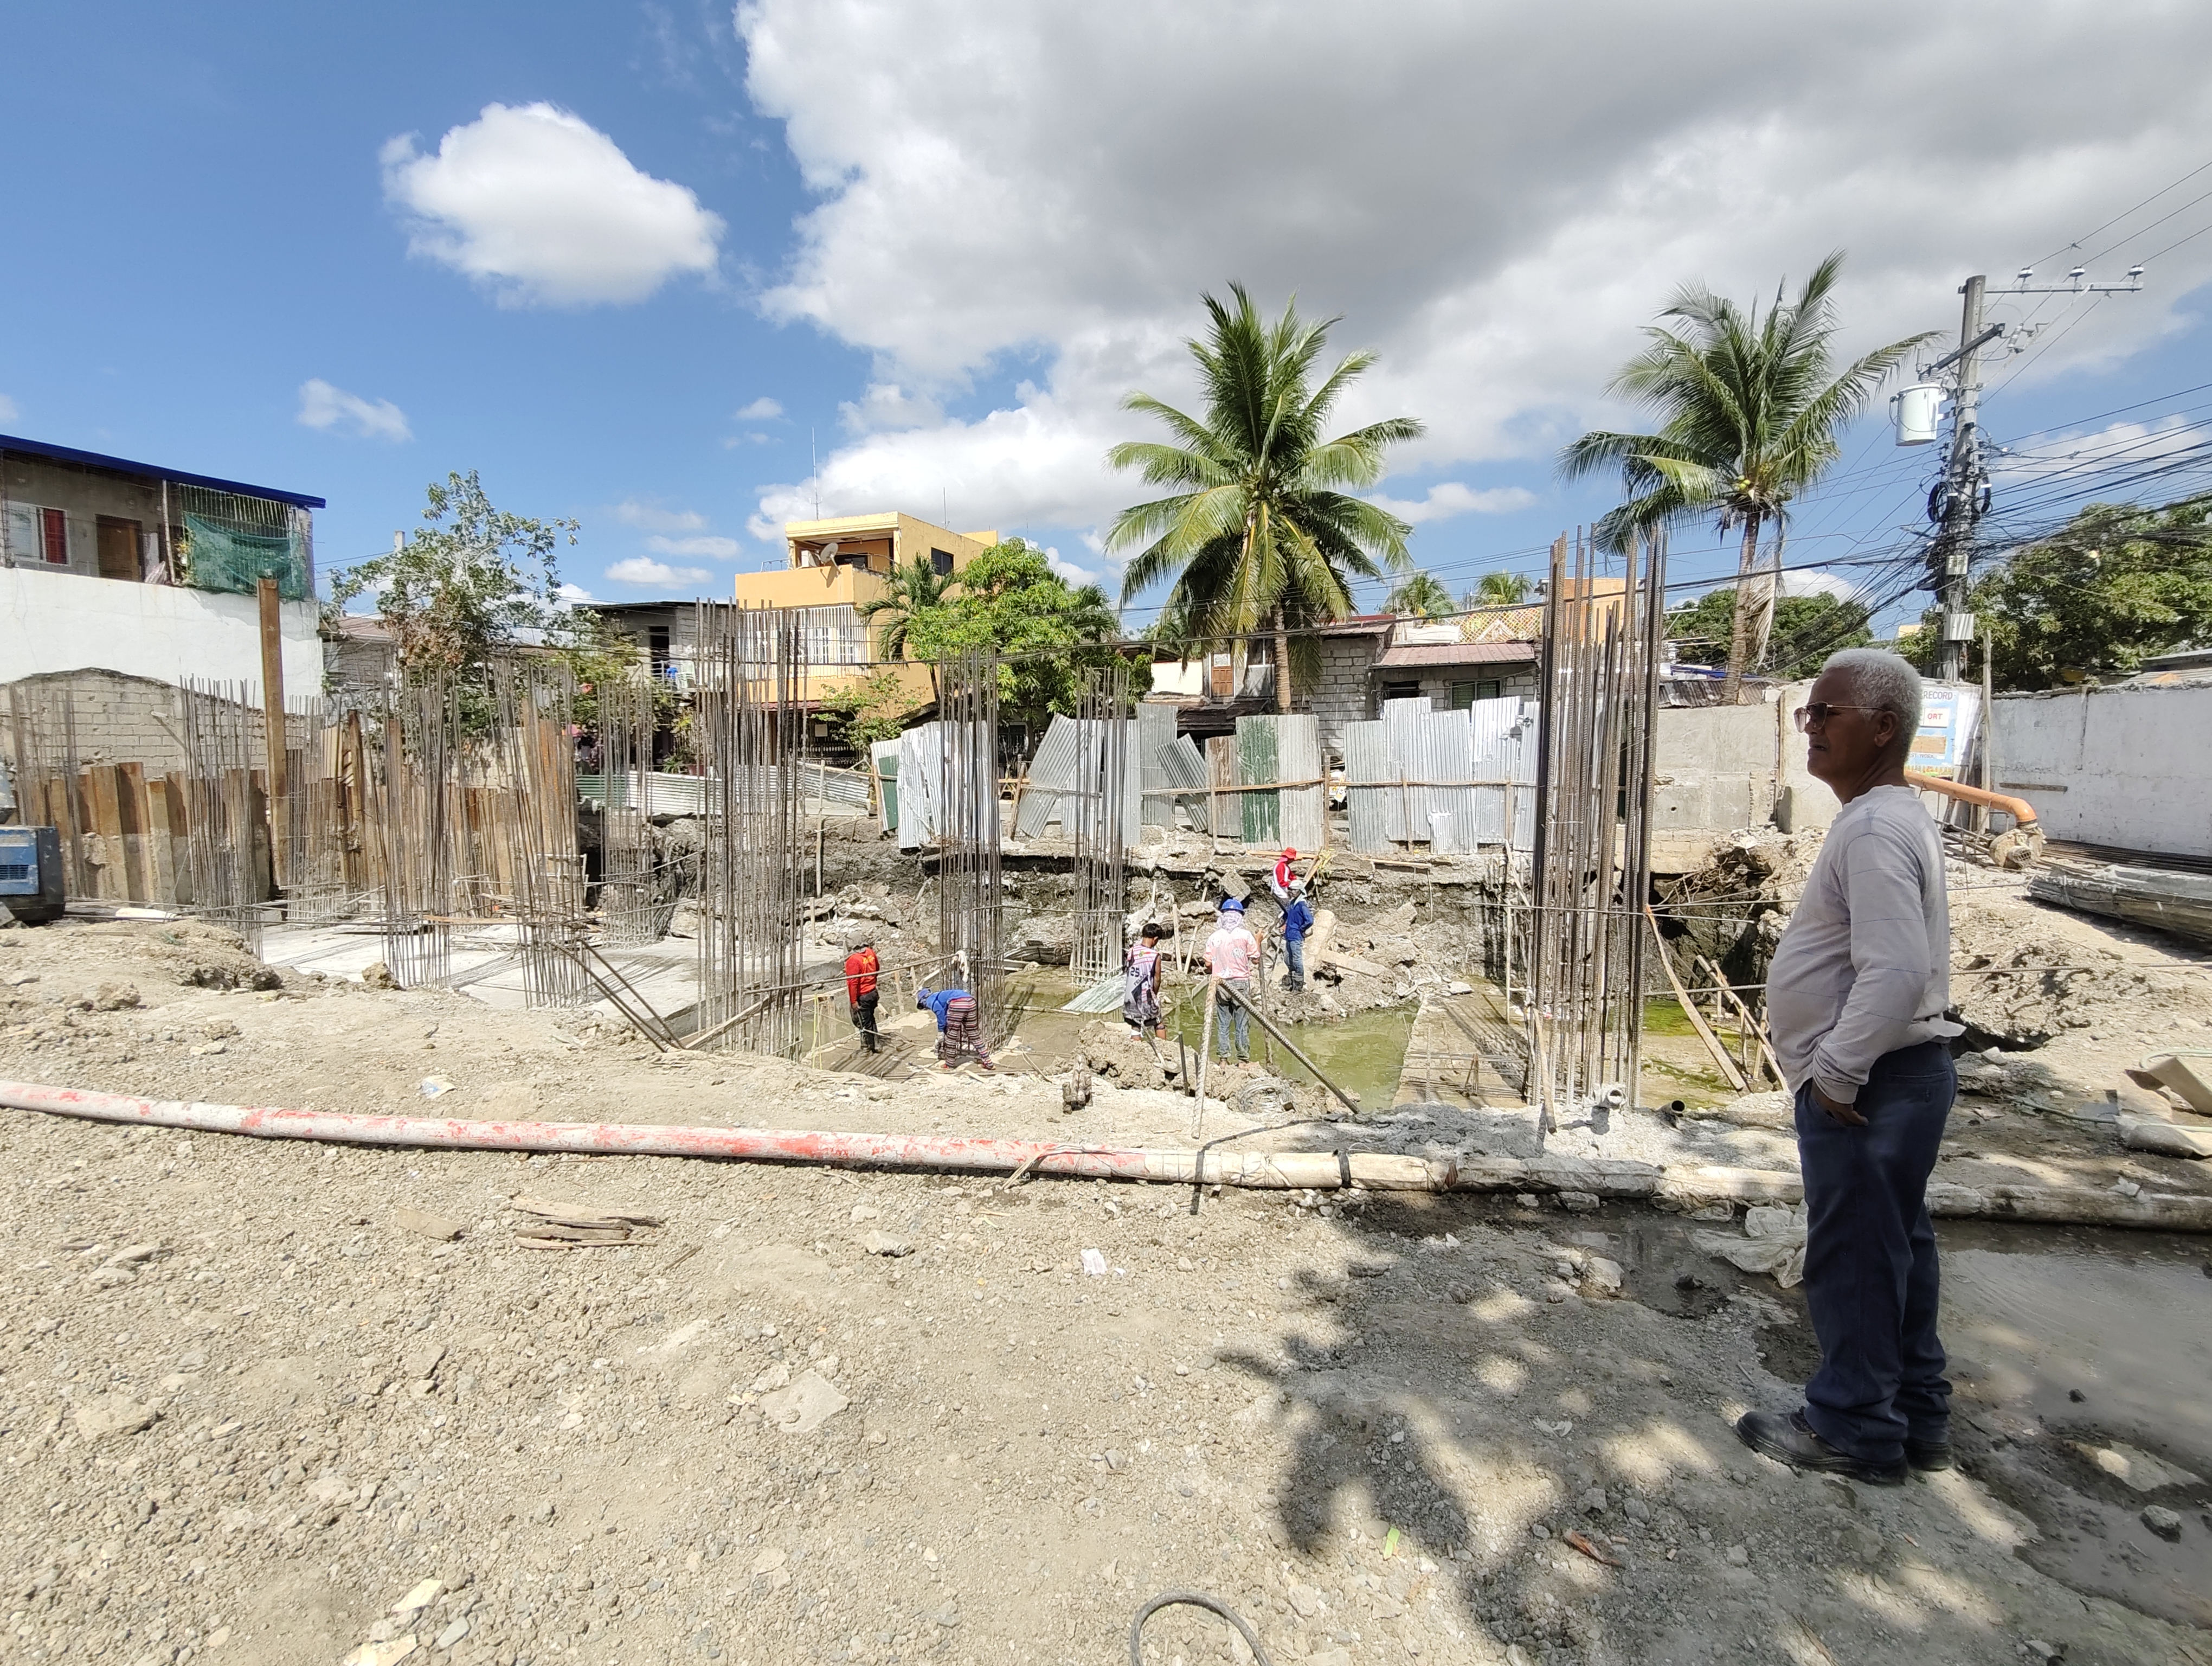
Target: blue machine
31,873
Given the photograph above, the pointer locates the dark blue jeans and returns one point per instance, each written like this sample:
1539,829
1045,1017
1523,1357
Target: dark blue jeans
1870,1257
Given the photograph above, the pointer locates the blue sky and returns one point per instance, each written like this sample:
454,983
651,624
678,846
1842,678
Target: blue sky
345,250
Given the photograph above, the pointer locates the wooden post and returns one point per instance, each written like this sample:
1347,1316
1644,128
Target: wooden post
132,806
272,718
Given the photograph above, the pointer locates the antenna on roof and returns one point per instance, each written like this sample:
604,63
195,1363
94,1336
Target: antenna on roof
814,471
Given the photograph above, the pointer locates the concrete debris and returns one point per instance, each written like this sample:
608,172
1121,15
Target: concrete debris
108,1416
877,1243
2166,1522
806,1406
1773,1243
424,1224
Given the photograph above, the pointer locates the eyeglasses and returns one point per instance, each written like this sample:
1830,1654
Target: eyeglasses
1819,712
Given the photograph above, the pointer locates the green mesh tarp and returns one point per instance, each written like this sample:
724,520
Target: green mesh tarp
219,557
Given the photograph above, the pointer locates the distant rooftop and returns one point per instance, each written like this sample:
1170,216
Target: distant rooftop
93,460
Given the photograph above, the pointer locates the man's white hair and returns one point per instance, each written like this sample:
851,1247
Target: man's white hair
1883,683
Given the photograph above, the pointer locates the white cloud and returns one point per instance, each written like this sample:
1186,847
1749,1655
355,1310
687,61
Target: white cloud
1496,203
9,412
322,406
1447,498
760,410
721,549
1068,569
568,595
544,208
1817,583
655,518
643,570
887,405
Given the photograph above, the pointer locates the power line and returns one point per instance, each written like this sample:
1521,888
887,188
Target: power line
2124,213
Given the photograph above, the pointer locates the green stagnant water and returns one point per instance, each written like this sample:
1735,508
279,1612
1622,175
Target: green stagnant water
1364,1055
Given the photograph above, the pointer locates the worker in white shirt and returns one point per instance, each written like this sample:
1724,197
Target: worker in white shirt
1855,999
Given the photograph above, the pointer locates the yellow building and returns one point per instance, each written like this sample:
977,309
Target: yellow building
833,567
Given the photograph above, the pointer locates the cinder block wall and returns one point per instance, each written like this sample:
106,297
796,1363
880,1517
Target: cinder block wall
119,718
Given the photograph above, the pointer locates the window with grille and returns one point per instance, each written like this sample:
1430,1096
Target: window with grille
834,636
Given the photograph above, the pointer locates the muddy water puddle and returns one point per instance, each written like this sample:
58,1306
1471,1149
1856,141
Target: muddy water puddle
1364,1053
2080,1362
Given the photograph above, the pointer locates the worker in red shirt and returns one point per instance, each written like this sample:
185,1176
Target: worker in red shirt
861,968
1279,882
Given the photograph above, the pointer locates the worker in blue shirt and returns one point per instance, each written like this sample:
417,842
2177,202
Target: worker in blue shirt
1298,920
959,1025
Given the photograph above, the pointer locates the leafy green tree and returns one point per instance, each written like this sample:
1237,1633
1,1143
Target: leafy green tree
1498,590
1750,408
1046,631
1807,630
1262,530
475,581
867,712
1417,595
2117,585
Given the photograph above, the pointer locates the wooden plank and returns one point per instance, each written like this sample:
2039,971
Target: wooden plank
178,796
136,818
272,728
159,841
1734,1076
111,877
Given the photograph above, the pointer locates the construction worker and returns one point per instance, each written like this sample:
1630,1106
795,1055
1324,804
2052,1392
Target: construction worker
1298,920
1232,954
959,1025
1140,968
1279,881
861,968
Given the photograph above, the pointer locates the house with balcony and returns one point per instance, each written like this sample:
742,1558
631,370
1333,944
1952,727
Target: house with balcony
834,567
139,571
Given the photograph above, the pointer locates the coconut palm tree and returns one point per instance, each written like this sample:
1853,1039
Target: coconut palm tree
1419,595
1498,590
907,590
1750,408
1262,530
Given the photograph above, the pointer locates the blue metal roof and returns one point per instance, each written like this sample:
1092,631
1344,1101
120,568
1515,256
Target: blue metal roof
124,466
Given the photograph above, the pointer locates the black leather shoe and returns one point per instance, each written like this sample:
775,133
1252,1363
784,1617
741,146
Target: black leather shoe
1790,1439
1927,1455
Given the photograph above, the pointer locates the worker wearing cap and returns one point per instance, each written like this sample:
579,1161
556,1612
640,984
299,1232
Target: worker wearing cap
1232,954
1279,881
1298,920
959,1025
861,968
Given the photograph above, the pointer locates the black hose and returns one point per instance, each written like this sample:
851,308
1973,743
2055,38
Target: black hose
1196,1600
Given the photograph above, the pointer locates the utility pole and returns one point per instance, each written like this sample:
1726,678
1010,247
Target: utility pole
1962,490
1961,500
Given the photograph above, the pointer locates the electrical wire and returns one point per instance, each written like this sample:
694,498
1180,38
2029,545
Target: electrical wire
2123,214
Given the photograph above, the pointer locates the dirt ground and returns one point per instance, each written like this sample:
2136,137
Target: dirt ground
250,1408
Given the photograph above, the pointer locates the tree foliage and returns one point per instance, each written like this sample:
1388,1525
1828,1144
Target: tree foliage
908,591
1010,603
865,712
1750,410
477,581
1807,630
2117,585
1417,595
1498,590
1260,530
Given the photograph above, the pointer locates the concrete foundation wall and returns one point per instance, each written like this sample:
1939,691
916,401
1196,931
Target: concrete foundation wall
2130,768
54,622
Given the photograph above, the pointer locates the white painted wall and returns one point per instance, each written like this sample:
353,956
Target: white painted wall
2124,766
56,622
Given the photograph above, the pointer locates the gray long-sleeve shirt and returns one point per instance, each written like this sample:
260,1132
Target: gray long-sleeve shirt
1864,966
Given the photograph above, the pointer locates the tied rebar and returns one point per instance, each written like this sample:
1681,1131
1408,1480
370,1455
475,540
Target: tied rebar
1592,867
971,932
1094,814
632,909
750,693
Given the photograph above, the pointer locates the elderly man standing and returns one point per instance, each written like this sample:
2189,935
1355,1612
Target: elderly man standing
1855,999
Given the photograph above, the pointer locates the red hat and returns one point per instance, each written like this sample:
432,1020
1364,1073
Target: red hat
1289,850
